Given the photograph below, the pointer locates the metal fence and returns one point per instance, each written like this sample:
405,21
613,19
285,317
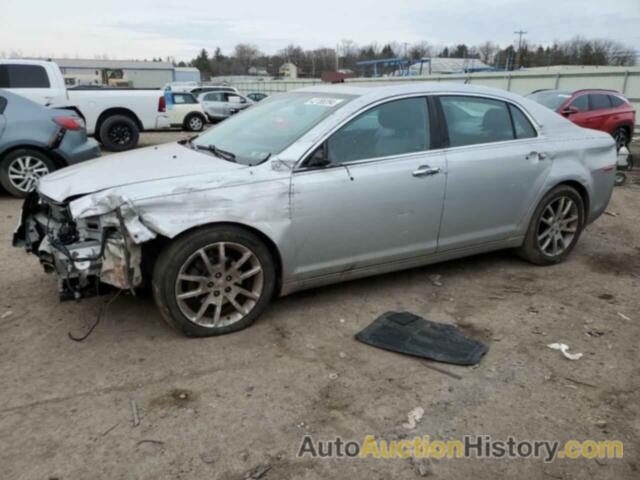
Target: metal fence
625,80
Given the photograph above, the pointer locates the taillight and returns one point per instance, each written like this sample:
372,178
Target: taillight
69,123
162,104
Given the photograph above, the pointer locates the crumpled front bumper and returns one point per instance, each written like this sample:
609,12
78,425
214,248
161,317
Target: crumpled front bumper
84,253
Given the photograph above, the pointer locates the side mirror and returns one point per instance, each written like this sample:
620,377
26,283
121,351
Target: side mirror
319,158
569,111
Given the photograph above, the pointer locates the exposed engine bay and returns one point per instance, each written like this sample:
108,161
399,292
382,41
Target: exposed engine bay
84,252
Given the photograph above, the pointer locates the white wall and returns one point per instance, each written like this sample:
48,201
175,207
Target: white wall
625,80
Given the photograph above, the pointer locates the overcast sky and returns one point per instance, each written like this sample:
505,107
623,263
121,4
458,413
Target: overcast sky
150,28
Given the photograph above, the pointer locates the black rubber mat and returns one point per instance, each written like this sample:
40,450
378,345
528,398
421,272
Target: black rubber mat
404,332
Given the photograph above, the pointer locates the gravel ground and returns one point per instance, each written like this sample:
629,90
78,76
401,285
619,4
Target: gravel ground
219,407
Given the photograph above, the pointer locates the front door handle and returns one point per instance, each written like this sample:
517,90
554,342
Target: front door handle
425,170
537,155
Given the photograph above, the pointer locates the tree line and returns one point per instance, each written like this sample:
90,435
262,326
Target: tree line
311,63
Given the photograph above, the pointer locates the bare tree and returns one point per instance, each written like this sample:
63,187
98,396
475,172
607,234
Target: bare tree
419,50
487,52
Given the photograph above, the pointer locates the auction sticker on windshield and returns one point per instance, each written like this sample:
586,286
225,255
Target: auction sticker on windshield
324,102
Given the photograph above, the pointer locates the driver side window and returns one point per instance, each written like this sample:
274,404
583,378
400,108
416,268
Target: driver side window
393,128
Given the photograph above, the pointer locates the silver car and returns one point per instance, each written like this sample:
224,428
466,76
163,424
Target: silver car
221,105
318,186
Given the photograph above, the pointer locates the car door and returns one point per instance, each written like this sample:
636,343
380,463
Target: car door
3,121
214,104
496,167
378,200
599,111
177,111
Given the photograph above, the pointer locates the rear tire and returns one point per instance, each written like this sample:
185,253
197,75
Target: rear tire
194,122
119,133
555,227
20,169
213,281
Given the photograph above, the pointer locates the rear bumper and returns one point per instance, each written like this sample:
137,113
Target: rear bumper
162,122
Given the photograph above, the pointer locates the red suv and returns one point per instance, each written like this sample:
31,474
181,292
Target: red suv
604,110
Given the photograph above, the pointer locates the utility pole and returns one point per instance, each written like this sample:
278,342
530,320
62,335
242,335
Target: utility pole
520,33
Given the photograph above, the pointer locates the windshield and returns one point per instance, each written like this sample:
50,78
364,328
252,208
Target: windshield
550,99
271,126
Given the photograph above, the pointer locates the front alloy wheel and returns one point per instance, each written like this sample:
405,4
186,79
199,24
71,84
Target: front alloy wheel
25,171
219,284
214,280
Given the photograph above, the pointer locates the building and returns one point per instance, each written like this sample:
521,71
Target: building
186,74
288,70
439,66
258,71
124,73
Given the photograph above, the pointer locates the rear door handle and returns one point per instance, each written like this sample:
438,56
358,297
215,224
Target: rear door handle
425,170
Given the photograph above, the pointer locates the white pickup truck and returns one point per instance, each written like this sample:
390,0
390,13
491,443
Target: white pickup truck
115,116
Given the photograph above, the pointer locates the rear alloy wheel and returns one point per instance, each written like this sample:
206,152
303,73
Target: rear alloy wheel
119,133
194,122
621,137
21,169
213,281
555,227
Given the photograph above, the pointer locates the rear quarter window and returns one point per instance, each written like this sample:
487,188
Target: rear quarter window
616,101
3,104
521,124
23,76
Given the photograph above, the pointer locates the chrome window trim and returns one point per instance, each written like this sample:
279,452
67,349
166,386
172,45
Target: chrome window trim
536,126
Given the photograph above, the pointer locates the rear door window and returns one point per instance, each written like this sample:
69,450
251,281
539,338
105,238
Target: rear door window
599,101
23,76
394,128
475,120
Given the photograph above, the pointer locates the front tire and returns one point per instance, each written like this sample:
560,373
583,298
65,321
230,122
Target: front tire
555,227
213,281
20,170
119,133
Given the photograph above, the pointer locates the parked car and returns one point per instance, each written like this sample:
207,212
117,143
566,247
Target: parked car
185,112
35,140
197,89
317,186
257,96
604,110
115,116
221,105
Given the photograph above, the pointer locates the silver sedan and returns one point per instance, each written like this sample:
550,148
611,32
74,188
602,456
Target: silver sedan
318,186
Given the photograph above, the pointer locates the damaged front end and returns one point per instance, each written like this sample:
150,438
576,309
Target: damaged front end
86,250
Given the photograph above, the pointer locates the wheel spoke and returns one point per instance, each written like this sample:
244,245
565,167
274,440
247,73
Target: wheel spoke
237,306
202,311
193,278
250,273
192,294
247,293
568,229
242,260
222,256
205,260
216,314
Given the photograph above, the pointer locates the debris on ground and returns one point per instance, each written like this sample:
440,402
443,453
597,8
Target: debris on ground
435,280
592,332
333,376
134,414
149,440
421,466
610,213
342,355
404,332
208,457
624,317
257,472
5,314
414,417
564,348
